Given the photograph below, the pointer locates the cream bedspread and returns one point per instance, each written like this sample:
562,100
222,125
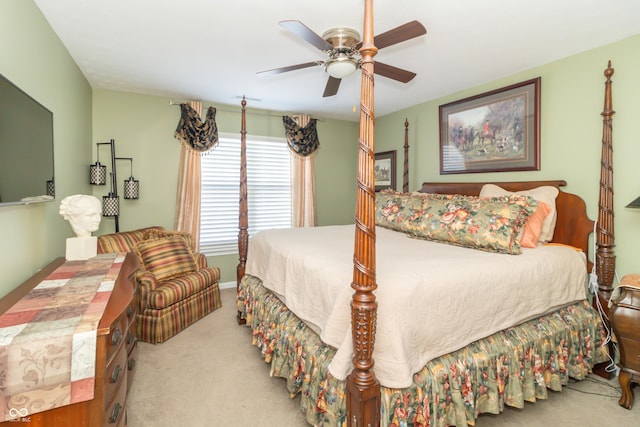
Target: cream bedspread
433,298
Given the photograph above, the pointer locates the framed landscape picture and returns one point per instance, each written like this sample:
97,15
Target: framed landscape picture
385,170
492,132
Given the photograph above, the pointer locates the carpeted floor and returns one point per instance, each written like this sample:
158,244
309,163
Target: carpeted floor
210,375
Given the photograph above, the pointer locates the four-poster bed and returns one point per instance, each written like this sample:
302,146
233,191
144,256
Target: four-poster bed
509,365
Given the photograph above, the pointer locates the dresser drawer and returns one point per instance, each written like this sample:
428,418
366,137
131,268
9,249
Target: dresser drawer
131,338
117,334
114,414
132,314
131,310
630,357
132,361
115,374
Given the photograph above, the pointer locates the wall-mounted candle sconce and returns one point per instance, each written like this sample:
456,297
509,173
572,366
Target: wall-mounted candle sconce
98,176
51,187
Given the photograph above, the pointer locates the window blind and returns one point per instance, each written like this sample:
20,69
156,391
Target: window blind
268,190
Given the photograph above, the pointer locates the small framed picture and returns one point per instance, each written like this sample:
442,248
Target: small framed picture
492,132
385,170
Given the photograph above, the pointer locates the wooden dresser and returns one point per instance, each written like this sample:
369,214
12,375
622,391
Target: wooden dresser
116,351
625,321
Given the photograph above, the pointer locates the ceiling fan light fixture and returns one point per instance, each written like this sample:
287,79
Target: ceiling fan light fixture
342,37
342,46
341,66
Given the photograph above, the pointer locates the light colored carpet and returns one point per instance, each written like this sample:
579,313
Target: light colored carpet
210,375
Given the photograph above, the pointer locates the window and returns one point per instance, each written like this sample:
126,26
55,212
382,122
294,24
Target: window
268,188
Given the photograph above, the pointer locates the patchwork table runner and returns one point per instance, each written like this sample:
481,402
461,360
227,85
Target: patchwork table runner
48,339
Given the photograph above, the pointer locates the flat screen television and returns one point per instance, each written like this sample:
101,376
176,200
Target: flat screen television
26,148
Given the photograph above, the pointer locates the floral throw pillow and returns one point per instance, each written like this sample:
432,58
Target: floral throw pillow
491,224
395,210
545,193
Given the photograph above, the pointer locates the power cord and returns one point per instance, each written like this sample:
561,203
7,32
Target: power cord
599,382
593,289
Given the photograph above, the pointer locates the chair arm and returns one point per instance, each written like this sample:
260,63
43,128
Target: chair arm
215,271
147,282
201,260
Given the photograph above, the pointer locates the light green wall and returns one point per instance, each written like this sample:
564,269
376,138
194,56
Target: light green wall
143,126
32,57
572,97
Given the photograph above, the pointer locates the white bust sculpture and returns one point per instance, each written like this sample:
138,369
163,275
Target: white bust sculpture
84,214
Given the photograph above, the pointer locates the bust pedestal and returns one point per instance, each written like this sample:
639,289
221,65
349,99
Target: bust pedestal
81,248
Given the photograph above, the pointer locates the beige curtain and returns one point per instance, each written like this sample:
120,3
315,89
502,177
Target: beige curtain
188,197
303,184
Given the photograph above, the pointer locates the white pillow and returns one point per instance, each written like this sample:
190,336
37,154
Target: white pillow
546,194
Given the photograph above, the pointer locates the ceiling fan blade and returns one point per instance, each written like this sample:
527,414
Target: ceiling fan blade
289,68
332,87
392,72
397,35
305,33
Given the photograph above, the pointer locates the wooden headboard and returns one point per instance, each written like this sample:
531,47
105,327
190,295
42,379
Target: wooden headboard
573,226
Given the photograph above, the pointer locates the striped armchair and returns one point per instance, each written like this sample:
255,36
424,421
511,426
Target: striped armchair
175,286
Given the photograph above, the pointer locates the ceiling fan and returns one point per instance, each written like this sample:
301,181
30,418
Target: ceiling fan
342,46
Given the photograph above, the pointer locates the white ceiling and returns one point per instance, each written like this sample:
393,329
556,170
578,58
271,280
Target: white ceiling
210,50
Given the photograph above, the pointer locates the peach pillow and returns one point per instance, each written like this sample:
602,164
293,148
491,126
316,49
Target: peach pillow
533,226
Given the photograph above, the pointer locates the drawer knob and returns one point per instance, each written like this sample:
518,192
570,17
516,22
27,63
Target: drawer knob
115,413
131,365
115,337
115,374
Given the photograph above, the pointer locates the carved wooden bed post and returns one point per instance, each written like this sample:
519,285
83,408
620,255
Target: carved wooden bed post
243,222
605,258
363,389
405,175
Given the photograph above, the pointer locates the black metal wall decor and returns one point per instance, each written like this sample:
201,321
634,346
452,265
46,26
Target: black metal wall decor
98,176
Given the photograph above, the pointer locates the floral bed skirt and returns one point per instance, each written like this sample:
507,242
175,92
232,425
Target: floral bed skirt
510,367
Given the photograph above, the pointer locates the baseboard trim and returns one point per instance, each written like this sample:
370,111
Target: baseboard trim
227,285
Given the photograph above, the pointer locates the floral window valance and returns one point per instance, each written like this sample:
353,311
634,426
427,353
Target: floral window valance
303,140
196,134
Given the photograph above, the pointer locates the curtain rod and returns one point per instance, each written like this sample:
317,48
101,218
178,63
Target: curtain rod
320,119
